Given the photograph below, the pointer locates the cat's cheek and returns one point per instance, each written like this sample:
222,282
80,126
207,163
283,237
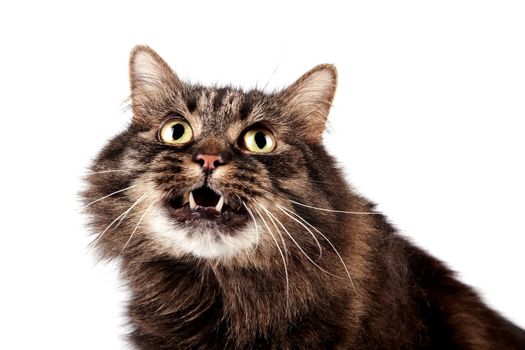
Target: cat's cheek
177,240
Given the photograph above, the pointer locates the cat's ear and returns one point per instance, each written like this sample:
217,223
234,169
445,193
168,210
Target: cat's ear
309,99
150,78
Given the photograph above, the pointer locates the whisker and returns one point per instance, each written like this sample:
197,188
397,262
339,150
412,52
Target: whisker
278,231
329,242
109,195
309,231
299,246
108,171
282,256
137,225
271,77
121,216
240,200
336,211
255,222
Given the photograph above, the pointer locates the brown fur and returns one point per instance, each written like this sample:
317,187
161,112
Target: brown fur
398,297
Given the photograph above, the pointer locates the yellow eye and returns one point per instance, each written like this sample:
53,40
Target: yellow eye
176,132
259,140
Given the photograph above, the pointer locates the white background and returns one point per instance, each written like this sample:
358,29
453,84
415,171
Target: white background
428,122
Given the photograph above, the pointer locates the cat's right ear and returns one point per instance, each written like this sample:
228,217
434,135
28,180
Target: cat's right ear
150,78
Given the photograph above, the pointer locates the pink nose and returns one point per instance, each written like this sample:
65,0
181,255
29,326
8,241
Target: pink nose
209,161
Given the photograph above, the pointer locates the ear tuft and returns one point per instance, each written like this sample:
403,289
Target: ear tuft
309,99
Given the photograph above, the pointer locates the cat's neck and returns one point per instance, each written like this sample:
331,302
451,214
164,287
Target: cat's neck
183,298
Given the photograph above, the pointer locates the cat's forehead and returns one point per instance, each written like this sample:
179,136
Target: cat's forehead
218,107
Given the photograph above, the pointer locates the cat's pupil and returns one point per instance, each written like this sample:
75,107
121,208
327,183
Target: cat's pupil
177,131
260,139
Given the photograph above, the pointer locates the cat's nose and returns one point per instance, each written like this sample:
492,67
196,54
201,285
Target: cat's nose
209,161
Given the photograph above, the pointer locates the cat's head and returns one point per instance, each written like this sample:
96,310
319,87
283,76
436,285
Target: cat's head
213,172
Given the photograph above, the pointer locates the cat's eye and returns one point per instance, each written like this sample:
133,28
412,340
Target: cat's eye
259,140
176,132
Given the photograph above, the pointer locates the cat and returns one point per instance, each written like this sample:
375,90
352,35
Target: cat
234,229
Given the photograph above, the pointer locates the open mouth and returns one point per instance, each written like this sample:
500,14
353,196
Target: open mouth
203,203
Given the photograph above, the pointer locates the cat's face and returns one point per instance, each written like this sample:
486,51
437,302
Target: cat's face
209,172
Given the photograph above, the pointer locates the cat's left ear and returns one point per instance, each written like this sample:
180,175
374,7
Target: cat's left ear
309,99
150,79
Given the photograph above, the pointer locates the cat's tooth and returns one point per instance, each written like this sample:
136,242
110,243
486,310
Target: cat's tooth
185,198
193,205
219,205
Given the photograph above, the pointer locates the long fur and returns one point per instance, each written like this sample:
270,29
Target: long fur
326,271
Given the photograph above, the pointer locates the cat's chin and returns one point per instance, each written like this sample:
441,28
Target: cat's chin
200,236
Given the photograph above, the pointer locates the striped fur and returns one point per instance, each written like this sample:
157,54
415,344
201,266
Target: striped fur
207,286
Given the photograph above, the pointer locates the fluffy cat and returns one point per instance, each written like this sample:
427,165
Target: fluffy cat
235,229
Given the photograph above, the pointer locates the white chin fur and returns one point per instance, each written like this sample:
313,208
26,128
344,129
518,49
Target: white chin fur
204,244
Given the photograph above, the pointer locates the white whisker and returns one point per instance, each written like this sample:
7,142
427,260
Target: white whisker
108,171
255,223
336,211
137,225
282,256
121,216
329,242
109,195
299,246
278,230
271,76
309,231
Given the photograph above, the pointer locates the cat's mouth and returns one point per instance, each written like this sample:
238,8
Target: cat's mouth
203,203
